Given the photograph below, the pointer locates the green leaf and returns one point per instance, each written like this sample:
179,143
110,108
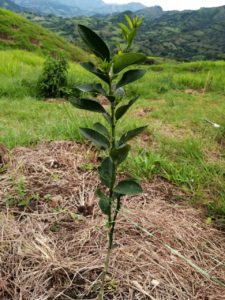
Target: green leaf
118,155
108,118
128,19
91,88
122,61
111,99
128,187
130,76
107,172
124,28
131,134
25,202
120,112
104,202
120,93
89,66
95,137
88,104
132,36
101,129
94,42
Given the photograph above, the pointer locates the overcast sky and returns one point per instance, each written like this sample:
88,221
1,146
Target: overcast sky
175,4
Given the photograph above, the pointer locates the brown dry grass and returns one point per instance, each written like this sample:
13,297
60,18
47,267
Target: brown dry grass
55,247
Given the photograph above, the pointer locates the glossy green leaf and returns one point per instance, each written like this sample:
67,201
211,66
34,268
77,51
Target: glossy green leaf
95,137
120,112
91,88
88,104
122,61
94,42
107,172
101,129
131,134
128,187
130,76
89,66
118,155
104,202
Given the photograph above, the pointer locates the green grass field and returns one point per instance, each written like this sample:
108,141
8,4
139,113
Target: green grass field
176,100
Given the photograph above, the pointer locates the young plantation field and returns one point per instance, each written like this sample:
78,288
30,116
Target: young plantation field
177,102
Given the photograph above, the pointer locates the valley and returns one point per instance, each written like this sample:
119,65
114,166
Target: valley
184,36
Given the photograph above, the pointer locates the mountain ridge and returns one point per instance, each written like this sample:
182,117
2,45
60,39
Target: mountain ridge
11,5
70,8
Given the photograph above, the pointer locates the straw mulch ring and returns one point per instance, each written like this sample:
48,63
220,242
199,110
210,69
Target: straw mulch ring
53,238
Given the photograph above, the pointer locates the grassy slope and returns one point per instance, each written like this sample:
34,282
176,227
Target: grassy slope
179,145
17,32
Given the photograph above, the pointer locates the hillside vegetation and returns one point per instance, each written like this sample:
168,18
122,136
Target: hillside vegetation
185,35
189,35
17,32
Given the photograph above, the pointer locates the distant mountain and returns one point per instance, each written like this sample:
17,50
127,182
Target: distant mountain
8,4
184,35
70,8
151,13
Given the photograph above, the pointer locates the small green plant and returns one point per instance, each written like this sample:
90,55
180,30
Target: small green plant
129,31
19,197
53,80
111,70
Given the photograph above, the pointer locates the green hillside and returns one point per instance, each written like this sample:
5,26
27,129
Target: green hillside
17,32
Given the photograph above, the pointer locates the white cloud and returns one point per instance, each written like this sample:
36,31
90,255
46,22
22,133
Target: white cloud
175,4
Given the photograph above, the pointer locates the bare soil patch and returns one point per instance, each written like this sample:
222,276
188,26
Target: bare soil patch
5,37
54,248
35,41
144,112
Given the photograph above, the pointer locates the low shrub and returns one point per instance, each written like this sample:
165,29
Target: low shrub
53,81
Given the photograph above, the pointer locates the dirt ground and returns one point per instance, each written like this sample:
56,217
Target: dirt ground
53,238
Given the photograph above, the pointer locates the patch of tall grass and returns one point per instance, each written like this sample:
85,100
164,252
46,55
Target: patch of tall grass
27,121
19,72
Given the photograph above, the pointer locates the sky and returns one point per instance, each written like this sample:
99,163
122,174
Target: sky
175,4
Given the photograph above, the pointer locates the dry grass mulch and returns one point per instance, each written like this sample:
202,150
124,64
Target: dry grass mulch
53,238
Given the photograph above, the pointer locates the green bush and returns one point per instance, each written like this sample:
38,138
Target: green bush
53,80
